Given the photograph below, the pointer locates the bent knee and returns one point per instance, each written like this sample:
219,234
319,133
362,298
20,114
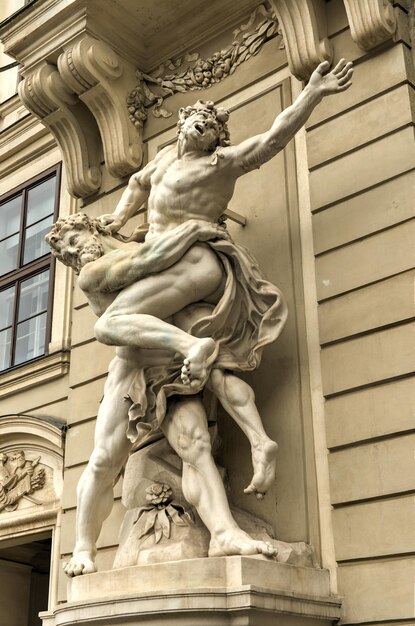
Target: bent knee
193,445
103,464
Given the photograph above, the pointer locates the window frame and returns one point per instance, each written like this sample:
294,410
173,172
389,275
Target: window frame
37,266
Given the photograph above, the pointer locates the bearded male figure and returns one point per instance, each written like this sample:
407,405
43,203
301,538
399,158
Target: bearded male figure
215,290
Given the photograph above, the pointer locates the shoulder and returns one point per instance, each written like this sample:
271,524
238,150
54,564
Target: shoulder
142,177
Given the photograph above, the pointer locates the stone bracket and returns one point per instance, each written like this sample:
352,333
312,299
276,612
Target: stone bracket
96,73
371,22
304,28
45,94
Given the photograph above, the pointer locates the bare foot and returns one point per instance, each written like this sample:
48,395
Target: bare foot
80,563
196,366
264,457
236,541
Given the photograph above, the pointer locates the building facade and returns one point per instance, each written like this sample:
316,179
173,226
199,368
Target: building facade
330,220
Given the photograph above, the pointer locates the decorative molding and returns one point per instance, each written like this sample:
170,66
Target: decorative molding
19,478
96,73
371,22
35,373
248,40
45,94
304,28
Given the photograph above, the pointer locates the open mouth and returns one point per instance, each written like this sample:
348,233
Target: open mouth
200,128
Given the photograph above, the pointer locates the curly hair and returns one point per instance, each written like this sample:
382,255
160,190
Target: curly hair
79,221
208,108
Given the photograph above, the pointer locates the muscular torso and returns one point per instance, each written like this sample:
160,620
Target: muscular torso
187,188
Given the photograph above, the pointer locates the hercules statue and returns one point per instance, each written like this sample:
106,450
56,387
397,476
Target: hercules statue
185,308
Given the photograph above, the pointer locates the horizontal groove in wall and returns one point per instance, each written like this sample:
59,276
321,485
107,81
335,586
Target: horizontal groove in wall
73,508
359,287
371,384
319,255
380,557
90,380
387,496
387,622
342,155
85,342
369,440
358,193
369,331
359,104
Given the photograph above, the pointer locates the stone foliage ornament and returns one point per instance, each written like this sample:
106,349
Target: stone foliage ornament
157,518
19,478
191,72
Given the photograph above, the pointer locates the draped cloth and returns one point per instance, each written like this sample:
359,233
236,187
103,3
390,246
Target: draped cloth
250,315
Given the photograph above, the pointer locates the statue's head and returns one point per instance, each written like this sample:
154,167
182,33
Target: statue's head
17,459
204,125
76,240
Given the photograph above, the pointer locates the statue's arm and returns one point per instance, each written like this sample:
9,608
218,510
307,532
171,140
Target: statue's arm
253,152
120,268
134,195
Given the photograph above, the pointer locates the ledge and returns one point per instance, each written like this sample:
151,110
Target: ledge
196,592
35,372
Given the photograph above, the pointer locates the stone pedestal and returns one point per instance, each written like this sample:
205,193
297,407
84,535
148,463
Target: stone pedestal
219,591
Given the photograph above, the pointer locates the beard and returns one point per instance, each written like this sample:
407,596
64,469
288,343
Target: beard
90,253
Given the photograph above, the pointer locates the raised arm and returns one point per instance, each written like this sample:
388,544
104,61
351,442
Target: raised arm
120,268
253,152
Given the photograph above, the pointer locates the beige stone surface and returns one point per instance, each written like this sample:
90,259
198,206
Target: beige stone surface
385,302
377,74
374,258
372,470
360,126
374,529
89,361
84,400
380,590
373,412
368,212
72,476
83,325
79,442
354,172
368,359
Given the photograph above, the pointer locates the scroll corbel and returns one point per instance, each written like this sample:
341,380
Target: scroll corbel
45,94
371,22
102,80
304,28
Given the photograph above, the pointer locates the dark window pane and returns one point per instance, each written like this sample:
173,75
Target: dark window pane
6,306
33,295
30,339
10,217
5,339
35,245
9,249
40,201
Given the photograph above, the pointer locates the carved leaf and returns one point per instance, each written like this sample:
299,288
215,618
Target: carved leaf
256,47
146,522
164,522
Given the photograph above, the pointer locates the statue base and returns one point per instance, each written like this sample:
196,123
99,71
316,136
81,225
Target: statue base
219,591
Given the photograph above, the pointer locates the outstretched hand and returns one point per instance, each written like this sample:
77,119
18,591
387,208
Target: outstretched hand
334,81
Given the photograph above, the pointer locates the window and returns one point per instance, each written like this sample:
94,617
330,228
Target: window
26,264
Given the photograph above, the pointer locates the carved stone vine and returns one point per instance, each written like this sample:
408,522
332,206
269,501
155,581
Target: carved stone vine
19,478
191,72
371,22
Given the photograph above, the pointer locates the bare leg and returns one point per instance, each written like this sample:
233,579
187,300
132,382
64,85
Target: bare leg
185,427
95,488
238,399
135,318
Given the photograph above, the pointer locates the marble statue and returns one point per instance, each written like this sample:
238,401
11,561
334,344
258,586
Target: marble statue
186,308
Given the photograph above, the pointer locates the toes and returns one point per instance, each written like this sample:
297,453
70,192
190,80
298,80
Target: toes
186,361
250,489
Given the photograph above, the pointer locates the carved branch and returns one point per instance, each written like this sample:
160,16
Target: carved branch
45,94
371,22
304,29
95,72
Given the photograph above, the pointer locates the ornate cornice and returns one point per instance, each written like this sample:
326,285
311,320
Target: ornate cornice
304,28
371,21
45,94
